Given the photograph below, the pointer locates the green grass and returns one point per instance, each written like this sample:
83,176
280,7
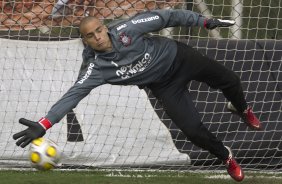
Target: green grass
99,177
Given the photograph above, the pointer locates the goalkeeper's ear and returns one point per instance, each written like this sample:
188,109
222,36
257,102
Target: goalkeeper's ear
82,38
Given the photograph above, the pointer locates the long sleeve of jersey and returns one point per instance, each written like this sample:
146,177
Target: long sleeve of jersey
158,19
88,79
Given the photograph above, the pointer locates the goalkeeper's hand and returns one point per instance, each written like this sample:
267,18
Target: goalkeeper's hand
214,23
34,131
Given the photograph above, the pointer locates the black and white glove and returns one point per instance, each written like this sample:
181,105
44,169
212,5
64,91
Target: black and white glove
34,131
214,23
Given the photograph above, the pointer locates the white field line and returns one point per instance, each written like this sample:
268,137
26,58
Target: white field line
130,176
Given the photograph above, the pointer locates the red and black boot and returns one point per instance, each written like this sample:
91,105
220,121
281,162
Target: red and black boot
233,168
248,116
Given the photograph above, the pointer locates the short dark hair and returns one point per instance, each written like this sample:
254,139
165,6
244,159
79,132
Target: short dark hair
85,20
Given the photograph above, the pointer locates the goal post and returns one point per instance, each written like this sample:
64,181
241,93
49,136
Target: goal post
123,126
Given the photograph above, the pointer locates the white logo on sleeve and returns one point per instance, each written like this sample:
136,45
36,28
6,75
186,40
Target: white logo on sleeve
120,27
149,19
87,74
114,63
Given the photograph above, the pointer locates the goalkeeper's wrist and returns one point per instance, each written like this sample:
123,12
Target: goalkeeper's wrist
205,23
45,123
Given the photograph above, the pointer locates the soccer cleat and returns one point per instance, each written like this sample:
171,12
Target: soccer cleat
233,168
248,116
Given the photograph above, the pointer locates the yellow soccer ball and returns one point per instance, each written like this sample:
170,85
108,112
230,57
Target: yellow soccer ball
44,154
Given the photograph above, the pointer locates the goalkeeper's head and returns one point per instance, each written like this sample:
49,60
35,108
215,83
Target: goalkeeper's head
95,34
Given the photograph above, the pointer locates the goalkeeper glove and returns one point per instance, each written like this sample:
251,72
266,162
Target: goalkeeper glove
34,131
213,23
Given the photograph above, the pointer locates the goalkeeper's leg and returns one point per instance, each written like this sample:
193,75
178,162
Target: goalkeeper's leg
180,108
219,77
196,66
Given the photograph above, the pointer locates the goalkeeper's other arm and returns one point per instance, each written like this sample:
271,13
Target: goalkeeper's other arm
214,23
34,131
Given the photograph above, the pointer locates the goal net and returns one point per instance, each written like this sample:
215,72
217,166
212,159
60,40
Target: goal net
123,126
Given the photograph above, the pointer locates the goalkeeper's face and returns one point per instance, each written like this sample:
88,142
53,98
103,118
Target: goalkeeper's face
95,34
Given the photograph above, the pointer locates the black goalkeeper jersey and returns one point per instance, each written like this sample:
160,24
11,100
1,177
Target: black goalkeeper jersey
136,57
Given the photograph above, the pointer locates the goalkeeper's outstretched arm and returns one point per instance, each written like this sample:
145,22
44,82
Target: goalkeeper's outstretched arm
156,20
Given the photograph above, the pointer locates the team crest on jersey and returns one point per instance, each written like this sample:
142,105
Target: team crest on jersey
125,39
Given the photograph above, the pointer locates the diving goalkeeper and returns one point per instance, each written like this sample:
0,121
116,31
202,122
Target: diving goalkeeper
123,54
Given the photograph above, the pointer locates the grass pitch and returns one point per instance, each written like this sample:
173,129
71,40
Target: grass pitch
99,177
